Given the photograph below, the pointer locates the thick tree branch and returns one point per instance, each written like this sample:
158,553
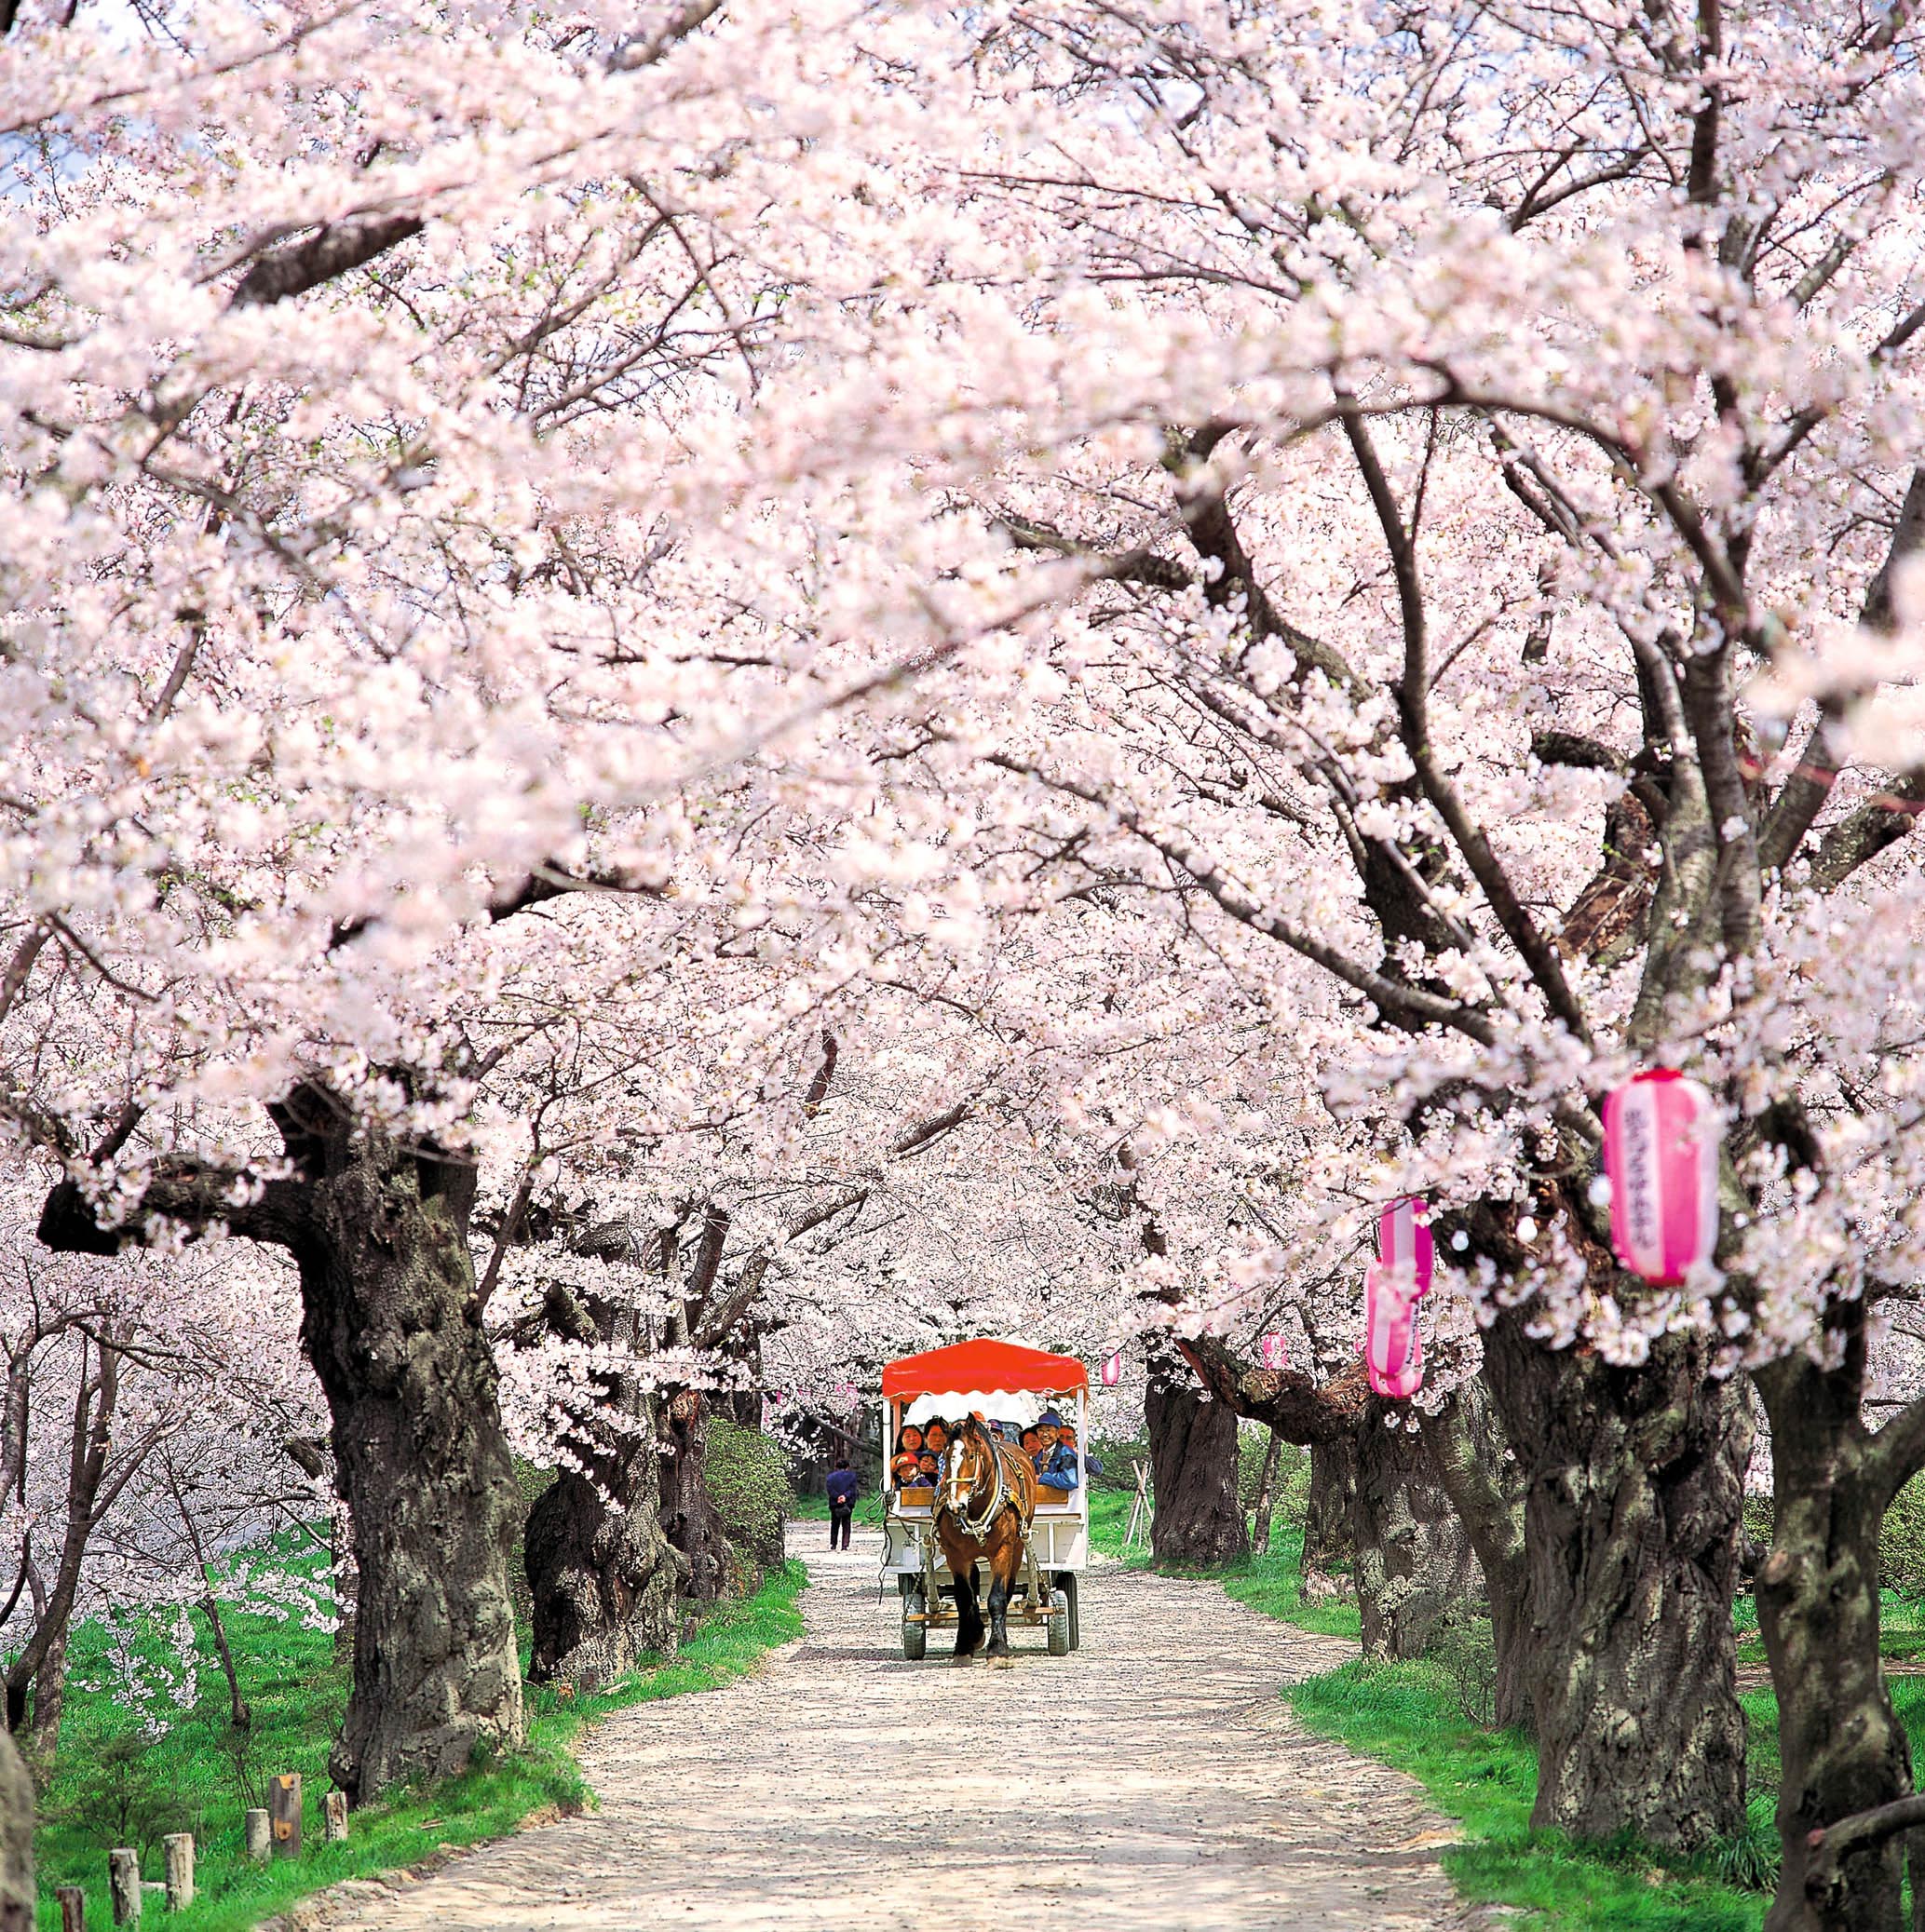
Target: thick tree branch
196,1195
333,250
1804,793
1391,996
1286,1398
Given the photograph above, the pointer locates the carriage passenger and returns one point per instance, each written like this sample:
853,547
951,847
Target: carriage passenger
907,1467
1055,1459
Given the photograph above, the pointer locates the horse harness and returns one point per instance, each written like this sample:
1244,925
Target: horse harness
999,1495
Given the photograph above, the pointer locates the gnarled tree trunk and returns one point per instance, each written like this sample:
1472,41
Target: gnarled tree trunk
1843,1749
1634,1478
17,1903
1415,1569
689,1514
604,1582
1330,1539
603,1576
392,1323
1193,1456
1477,1471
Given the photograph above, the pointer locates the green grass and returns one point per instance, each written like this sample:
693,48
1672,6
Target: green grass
1408,1716
112,1786
815,1509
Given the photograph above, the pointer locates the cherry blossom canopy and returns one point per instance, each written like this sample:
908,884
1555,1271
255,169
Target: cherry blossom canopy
983,1364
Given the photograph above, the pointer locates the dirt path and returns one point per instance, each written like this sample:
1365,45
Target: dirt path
1153,1780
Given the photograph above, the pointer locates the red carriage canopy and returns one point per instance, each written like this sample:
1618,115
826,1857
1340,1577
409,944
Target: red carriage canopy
966,1367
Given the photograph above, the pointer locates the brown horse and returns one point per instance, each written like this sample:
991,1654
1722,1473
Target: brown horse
984,1508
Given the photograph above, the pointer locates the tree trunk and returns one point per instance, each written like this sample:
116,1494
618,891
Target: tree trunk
1841,1744
1193,1453
1415,1570
1265,1496
18,1901
393,1328
689,1516
604,1582
1476,1470
49,1696
238,1714
1634,1480
1330,1544
392,1323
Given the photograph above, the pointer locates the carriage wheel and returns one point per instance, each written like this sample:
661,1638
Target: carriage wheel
1058,1624
1066,1583
915,1636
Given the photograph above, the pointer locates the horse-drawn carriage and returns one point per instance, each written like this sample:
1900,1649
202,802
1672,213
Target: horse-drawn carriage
1020,1544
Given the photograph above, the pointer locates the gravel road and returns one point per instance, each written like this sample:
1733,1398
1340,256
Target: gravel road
1152,1780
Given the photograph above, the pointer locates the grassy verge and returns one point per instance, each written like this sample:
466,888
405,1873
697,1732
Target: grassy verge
116,1783
1410,1716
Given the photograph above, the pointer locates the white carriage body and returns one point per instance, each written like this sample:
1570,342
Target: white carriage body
1059,1540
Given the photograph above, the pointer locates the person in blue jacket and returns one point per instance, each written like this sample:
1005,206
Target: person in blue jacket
1055,1459
842,1501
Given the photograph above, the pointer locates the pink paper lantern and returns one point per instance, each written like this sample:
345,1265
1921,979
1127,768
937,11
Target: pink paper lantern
1662,1159
1393,1348
1275,1352
1112,1370
1403,1239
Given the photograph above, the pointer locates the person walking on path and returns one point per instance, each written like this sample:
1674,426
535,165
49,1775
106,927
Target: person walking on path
842,1501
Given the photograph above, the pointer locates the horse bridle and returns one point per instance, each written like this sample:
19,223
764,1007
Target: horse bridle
956,1506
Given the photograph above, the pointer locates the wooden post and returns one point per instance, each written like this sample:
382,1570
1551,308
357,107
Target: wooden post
259,1838
124,1883
284,1808
178,1850
336,1826
1140,1507
72,1901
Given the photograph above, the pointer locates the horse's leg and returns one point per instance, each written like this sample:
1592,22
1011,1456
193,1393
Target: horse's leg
999,1603
969,1619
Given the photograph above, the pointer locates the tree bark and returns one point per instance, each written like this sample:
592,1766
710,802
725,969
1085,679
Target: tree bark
1843,1749
1265,1496
1415,1569
688,1517
392,1323
1193,1452
17,1901
1635,1480
1477,1471
393,1328
1330,1541
50,1699
602,1575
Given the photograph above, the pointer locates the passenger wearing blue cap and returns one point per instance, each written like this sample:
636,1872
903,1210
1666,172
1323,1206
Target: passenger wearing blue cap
1055,1456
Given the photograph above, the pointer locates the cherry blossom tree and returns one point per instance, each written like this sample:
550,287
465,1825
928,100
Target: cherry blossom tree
1535,385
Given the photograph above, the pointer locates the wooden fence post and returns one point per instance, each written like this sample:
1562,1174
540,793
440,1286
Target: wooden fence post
284,1807
72,1901
178,1850
336,1826
124,1883
260,1839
